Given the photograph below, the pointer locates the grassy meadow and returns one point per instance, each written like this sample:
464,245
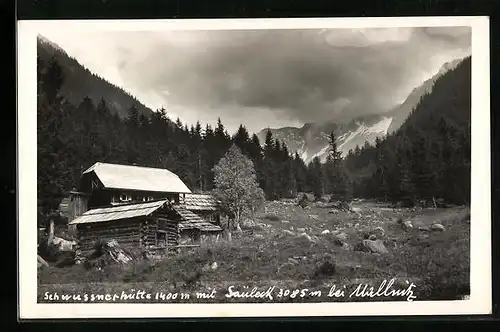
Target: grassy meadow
295,248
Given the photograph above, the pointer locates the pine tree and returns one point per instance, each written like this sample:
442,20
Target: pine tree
241,139
336,178
133,117
300,173
315,177
333,152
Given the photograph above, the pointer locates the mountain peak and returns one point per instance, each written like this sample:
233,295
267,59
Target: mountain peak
45,40
312,139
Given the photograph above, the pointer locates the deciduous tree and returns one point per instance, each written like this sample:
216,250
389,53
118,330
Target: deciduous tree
236,185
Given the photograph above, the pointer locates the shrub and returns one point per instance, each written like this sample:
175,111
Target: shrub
272,217
303,201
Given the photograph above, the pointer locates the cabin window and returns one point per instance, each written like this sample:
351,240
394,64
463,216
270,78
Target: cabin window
125,198
161,238
94,184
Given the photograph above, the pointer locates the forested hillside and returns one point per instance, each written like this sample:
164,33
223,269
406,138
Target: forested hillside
80,82
73,136
429,156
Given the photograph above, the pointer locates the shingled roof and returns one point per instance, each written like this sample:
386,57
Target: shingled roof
119,212
138,178
191,220
201,202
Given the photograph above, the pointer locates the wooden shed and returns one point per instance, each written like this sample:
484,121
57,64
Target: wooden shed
204,205
194,229
150,225
74,205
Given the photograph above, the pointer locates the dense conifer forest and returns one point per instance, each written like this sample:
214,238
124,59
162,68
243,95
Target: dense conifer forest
429,157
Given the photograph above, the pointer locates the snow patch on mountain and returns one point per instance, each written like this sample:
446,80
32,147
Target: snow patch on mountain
312,140
364,133
322,154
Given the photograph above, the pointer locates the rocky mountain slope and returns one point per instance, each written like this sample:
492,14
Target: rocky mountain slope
311,140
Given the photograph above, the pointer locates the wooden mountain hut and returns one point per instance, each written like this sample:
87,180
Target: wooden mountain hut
204,205
151,225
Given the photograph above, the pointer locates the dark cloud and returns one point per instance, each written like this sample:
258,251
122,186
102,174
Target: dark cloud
299,75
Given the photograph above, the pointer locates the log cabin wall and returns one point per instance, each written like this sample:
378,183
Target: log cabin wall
117,196
211,216
101,196
171,229
161,230
78,205
148,233
126,232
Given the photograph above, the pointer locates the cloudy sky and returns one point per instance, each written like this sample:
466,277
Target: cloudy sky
267,78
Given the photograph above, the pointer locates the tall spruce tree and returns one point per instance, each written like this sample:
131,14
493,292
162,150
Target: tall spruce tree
337,180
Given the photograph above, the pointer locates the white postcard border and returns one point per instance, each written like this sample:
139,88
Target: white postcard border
480,299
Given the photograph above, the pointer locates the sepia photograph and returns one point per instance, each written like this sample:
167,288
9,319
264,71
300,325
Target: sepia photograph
254,167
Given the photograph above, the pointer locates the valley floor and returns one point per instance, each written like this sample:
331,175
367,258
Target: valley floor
291,248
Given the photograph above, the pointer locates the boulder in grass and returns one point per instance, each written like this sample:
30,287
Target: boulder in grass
379,231
346,246
107,252
406,225
342,237
437,227
376,246
306,237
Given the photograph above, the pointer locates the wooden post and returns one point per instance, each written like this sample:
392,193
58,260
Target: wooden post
51,232
156,234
